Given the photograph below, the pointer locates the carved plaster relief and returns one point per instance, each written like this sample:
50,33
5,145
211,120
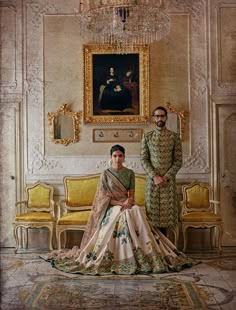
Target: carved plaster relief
40,162
226,22
198,159
38,10
8,42
129,163
194,7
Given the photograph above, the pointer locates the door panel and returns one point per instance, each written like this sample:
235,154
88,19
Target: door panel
9,122
227,171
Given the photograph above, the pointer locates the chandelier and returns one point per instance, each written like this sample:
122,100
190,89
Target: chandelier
123,23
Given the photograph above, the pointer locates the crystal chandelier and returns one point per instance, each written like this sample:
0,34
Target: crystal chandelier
123,23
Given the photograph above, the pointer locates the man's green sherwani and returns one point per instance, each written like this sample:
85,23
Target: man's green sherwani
161,154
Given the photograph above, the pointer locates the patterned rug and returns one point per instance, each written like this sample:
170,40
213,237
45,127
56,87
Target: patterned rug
88,294
223,262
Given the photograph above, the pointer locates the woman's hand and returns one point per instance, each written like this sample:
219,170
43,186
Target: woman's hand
127,204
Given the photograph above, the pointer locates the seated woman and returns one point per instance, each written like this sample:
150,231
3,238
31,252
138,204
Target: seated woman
114,95
118,238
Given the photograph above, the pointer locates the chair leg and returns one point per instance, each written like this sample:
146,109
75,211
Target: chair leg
64,238
176,232
58,234
50,238
220,238
185,237
16,238
212,237
27,238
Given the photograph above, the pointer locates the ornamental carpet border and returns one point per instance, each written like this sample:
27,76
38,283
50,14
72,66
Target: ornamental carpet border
88,294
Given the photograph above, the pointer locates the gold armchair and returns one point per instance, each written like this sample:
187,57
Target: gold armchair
38,211
200,211
74,210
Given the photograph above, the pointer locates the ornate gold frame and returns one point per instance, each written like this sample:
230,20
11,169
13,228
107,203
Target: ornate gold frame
181,118
75,116
143,117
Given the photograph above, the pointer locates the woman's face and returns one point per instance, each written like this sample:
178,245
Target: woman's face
112,71
117,159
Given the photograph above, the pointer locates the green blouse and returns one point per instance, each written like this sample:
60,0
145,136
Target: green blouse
125,176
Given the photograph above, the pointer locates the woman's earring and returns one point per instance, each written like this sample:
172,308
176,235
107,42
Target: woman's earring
110,163
124,163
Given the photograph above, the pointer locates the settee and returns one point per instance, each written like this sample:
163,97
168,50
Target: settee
74,209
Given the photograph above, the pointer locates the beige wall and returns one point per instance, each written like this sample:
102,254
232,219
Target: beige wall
193,68
178,71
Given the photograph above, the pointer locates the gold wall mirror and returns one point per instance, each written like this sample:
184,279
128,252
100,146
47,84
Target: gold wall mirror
177,119
64,125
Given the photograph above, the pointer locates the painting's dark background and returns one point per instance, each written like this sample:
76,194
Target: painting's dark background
121,64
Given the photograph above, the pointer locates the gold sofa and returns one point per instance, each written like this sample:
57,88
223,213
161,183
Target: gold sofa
74,210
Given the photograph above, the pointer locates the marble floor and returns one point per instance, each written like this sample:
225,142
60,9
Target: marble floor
28,282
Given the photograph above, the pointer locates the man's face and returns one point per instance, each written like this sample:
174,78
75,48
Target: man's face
159,118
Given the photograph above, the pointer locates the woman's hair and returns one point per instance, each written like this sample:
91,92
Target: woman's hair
117,147
159,108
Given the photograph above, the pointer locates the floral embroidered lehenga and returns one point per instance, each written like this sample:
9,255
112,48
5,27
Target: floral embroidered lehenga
119,242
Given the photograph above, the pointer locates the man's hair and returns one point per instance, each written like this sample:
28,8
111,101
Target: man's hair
117,147
159,108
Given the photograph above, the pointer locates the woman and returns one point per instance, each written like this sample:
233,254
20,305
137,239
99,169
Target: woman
113,95
118,239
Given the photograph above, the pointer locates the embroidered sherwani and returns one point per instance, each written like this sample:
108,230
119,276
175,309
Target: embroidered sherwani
161,154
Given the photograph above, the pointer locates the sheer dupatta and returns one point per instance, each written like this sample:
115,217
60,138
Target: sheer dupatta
109,187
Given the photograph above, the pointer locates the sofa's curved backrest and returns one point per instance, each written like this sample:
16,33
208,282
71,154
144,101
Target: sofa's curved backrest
81,190
140,190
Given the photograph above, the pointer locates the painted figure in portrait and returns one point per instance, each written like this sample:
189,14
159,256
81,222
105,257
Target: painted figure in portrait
116,84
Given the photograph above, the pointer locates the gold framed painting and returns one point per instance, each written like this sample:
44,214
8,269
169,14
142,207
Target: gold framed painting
116,86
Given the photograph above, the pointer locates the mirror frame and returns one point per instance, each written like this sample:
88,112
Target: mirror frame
181,117
64,110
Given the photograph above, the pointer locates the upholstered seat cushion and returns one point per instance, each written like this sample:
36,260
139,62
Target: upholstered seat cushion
201,217
75,218
35,217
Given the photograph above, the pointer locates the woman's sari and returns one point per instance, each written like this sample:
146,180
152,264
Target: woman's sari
120,242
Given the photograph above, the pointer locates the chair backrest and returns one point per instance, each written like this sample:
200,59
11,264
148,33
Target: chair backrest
39,196
140,190
197,196
80,190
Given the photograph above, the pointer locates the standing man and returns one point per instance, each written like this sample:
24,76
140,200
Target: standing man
161,158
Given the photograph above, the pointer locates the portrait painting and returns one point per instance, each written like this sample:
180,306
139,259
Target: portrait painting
116,86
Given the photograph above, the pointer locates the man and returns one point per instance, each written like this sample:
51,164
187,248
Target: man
161,158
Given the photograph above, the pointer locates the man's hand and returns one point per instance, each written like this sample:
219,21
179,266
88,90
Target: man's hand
160,181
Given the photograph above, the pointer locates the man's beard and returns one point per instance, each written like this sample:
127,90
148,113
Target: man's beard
160,124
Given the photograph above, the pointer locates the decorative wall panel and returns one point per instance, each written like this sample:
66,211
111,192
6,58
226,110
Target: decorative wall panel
54,76
11,46
223,47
